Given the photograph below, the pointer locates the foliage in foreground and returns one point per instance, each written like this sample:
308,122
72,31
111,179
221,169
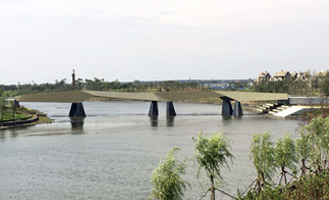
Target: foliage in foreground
166,179
317,135
307,180
212,154
312,186
262,154
311,181
285,157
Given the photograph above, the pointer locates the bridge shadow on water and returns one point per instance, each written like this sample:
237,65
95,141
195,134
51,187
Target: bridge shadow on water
155,122
170,121
77,125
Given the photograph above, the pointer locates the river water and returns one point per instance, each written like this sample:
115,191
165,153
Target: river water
112,154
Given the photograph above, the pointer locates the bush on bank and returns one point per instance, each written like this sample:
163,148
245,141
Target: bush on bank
311,186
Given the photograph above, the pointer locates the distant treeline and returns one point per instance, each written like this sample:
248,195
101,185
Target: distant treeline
294,87
135,86
97,84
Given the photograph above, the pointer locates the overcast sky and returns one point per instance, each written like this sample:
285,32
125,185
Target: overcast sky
43,40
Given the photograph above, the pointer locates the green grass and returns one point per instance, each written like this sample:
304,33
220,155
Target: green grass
9,116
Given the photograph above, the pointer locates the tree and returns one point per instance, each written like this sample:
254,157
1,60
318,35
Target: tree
2,107
325,87
318,134
212,153
166,179
262,154
303,149
285,156
13,108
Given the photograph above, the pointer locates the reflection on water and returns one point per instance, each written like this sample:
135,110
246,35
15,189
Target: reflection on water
113,150
77,124
13,132
238,117
2,134
154,121
170,121
226,118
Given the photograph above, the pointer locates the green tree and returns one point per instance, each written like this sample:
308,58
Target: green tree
303,150
166,179
325,87
13,108
262,154
2,107
285,156
212,153
318,134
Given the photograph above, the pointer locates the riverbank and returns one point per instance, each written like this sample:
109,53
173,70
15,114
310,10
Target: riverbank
25,117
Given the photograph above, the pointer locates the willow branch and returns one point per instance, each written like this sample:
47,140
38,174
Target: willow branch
227,194
205,194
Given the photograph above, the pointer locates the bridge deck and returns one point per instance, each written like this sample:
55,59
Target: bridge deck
78,96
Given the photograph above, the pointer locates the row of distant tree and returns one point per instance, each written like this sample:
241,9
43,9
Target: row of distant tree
297,87
102,85
286,86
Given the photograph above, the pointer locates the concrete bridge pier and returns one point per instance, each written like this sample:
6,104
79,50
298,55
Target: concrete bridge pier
226,107
170,110
237,111
77,110
154,111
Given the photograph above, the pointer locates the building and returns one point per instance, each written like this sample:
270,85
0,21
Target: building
282,75
304,76
264,77
293,75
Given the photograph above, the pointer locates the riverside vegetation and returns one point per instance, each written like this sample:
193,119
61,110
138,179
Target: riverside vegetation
287,169
10,112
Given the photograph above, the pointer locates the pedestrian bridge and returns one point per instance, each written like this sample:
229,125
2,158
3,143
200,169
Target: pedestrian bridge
76,97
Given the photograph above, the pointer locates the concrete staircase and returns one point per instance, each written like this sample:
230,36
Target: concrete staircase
291,111
271,108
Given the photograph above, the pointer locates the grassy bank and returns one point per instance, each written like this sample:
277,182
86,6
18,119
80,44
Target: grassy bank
9,116
9,119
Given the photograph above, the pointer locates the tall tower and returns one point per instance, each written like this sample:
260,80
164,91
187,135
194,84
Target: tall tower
77,109
73,79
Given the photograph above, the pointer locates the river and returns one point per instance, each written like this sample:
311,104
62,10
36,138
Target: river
112,154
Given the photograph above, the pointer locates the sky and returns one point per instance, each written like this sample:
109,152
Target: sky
43,40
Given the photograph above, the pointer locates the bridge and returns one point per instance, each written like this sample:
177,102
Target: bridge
77,97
